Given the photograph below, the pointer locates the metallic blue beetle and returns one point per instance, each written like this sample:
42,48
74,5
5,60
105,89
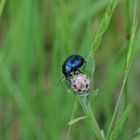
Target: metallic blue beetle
72,64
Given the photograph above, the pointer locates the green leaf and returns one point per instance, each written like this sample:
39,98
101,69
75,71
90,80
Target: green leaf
104,25
2,4
120,122
70,91
131,47
73,121
137,131
137,138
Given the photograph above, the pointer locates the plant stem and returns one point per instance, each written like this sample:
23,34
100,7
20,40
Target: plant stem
88,111
116,108
127,17
128,64
72,116
2,4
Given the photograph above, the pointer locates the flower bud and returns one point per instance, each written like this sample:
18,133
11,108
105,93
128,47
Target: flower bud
80,83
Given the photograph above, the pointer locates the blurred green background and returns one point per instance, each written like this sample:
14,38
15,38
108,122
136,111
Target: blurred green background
36,36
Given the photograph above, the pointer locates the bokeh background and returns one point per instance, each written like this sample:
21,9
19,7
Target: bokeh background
36,36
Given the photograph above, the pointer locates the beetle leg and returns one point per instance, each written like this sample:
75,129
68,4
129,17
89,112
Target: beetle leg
79,71
75,72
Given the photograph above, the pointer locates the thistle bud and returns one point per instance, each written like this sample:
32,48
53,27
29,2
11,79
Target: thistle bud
80,83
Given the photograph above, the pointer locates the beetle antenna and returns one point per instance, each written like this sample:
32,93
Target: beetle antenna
62,78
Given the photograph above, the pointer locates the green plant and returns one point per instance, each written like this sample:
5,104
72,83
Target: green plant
36,37
119,123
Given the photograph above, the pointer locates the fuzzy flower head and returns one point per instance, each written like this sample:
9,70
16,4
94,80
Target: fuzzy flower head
80,83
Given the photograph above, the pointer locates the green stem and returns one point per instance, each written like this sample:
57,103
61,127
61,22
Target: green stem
128,27
116,108
72,116
92,121
127,17
127,69
2,3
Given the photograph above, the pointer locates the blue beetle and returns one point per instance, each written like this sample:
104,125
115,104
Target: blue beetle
72,64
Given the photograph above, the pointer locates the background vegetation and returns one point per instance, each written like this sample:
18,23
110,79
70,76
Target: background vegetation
36,36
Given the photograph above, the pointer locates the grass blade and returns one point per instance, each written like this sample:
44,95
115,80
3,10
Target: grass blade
75,106
120,122
73,121
2,4
104,25
127,68
99,35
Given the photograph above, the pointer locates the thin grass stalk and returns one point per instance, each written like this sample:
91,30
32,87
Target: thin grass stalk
72,116
128,64
2,4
